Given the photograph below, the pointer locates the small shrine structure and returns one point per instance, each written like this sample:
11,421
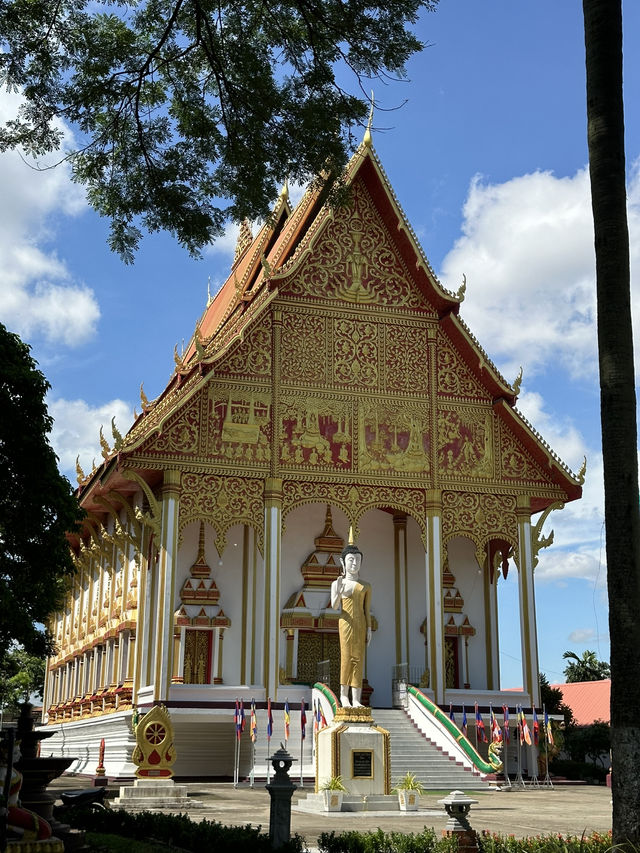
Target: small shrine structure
330,382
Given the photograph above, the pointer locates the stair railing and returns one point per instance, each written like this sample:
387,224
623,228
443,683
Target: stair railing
445,732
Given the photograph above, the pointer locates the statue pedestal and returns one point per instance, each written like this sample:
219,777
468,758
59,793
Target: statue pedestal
146,794
354,748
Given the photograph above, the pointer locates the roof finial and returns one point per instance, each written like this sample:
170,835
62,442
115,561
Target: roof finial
368,141
245,239
284,192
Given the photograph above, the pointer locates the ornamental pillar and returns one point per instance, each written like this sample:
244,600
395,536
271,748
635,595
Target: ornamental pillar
168,551
491,624
434,607
272,558
526,592
401,592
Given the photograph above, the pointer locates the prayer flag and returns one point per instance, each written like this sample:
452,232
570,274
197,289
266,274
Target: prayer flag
236,720
269,719
524,729
452,716
253,722
506,734
480,726
547,728
287,720
496,734
536,728
303,720
464,721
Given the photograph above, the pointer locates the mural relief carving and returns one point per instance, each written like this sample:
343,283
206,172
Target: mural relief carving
354,260
303,348
393,437
316,432
356,351
406,360
515,463
252,356
223,502
465,442
454,377
239,425
180,434
479,517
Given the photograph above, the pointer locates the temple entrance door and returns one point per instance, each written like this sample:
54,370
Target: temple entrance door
451,664
313,647
197,656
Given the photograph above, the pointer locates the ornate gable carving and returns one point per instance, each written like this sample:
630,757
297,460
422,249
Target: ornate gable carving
250,357
516,465
354,260
454,377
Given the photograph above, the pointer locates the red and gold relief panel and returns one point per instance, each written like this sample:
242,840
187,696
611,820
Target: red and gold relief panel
454,377
239,425
465,442
393,437
316,433
516,464
250,357
354,260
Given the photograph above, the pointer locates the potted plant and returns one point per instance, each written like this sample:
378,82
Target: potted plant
409,790
333,790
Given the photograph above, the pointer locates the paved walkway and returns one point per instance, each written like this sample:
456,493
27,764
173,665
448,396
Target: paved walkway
566,809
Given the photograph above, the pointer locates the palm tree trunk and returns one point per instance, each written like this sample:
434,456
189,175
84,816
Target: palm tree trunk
605,116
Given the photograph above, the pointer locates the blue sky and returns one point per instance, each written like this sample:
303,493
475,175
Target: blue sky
488,159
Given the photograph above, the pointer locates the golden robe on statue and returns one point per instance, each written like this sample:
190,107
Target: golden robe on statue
354,621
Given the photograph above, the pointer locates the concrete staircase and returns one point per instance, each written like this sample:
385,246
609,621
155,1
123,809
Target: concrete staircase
413,752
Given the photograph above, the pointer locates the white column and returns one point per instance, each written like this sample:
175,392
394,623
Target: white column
272,555
166,586
434,605
401,592
528,630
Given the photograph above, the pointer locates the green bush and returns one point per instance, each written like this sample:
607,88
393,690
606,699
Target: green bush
584,771
179,831
489,842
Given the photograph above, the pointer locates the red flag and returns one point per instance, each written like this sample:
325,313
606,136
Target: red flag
536,728
505,728
303,720
253,725
242,719
496,734
525,736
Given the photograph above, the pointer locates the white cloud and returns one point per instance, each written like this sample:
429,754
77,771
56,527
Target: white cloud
527,252
38,294
76,430
582,635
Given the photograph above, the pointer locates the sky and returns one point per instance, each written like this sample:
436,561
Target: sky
488,158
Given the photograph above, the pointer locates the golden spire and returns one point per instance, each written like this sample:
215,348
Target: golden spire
80,473
143,398
284,192
368,140
104,445
117,436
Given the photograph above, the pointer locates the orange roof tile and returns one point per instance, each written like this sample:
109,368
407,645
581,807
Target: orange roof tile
589,700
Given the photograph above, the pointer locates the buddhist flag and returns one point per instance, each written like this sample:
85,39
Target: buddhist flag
482,737
496,734
505,728
236,720
269,719
452,716
303,720
287,721
464,721
536,727
253,724
547,728
525,735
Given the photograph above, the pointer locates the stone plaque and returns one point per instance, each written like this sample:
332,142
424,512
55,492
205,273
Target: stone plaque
362,763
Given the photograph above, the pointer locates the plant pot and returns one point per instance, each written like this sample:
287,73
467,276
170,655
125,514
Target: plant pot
333,800
408,800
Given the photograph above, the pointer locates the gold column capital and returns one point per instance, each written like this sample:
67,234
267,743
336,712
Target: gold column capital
171,482
273,487
434,501
523,506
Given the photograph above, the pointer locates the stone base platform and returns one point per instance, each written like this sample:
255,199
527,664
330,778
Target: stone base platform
371,803
150,794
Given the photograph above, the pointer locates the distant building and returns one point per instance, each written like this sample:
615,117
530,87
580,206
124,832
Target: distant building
330,383
589,700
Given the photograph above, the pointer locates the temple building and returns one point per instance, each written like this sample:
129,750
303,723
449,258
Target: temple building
330,383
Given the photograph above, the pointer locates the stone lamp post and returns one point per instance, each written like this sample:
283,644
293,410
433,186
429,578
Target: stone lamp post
280,790
457,805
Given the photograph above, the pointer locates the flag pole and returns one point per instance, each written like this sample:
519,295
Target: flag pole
519,781
534,782
547,725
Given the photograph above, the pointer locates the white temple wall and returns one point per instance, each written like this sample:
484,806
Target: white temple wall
470,581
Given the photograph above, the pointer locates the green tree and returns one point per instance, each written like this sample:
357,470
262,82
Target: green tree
585,668
21,676
553,700
37,505
605,133
589,743
188,112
